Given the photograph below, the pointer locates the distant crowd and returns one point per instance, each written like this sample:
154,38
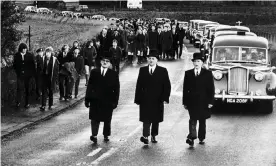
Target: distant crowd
124,40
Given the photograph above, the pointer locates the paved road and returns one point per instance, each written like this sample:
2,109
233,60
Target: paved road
235,137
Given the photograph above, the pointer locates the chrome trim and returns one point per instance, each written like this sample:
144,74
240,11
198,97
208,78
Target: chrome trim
251,96
247,80
223,97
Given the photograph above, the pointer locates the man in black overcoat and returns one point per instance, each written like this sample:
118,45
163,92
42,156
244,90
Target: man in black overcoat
198,98
181,35
153,89
24,66
153,39
102,96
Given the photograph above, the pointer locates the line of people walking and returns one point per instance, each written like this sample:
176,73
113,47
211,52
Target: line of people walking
153,89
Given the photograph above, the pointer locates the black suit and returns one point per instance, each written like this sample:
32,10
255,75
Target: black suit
102,94
181,36
151,92
198,93
49,76
25,70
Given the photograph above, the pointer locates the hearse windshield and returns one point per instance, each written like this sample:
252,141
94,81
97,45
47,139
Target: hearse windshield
243,54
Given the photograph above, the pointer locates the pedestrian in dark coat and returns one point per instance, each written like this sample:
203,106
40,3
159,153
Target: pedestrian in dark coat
24,66
100,53
89,54
116,53
152,91
181,35
140,45
79,66
198,98
153,39
159,41
166,41
175,41
64,77
39,65
131,46
49,75
105,40
102,96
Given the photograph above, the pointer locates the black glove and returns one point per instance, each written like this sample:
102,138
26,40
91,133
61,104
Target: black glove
87,104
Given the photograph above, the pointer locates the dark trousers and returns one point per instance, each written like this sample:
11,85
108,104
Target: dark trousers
64,86
23,83
47,87
38,85
77,83
154,129
180,50
201,129
116,65
95,128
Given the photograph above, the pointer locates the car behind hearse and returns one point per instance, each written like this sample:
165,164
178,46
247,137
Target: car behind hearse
242,71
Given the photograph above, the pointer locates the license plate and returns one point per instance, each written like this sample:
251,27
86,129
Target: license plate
236,100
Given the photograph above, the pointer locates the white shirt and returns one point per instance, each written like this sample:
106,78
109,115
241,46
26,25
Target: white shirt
197,71
23,55
103,70
153,68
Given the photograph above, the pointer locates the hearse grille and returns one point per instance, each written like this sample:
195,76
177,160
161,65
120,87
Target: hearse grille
237,80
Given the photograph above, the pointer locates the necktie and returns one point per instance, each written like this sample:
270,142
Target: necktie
151,71
197,72
103,72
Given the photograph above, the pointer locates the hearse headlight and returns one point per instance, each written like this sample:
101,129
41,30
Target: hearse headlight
217,75
259,76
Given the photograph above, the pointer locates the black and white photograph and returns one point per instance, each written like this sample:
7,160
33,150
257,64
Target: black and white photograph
138,82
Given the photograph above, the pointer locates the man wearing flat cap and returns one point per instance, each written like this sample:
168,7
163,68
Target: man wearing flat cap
102,96
198,98
153,89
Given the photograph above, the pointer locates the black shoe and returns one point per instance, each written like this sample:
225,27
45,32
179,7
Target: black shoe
190,142
106,139
145,140
76,97
50,108
201,142
42,108
61,98
153,139
66,99
27,106
94,139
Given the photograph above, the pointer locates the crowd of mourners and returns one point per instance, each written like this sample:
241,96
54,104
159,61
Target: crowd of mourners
129,40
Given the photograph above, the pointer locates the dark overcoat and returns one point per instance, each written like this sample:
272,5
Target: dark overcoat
53,69
103,94
166,40
198,92
151,92
153,40
26,67
140,42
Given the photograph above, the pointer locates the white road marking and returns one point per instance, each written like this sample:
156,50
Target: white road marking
134,131
94,152
104,155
